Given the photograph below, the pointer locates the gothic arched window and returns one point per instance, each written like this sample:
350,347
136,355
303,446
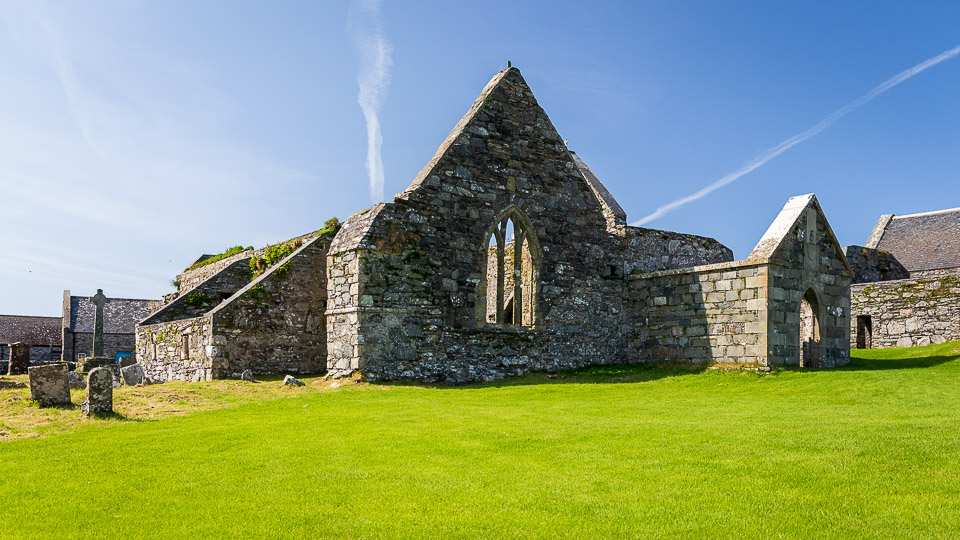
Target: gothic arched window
508,293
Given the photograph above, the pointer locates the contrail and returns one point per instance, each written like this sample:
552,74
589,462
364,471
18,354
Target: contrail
771,153
373,79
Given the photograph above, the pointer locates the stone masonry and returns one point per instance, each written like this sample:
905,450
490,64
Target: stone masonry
906,312
507,254
906,289
749,312
271,324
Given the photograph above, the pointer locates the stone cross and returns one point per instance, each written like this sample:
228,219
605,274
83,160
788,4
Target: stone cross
98,300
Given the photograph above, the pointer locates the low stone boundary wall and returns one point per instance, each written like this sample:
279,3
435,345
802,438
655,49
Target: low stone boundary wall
714,313
906,312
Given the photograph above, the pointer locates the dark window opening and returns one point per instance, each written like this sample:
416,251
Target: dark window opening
864,332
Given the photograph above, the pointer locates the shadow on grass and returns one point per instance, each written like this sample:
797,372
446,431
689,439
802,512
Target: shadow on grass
115,416
880,364
67,407
602,374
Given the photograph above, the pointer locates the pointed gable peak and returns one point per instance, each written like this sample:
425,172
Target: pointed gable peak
776,235
507,84
782,225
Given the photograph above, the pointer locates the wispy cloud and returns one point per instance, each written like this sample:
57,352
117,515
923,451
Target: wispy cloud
114,166
374,78
769,154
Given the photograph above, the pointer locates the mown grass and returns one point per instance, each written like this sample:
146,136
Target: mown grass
866,451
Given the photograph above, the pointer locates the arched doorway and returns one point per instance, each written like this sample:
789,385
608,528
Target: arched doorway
809,346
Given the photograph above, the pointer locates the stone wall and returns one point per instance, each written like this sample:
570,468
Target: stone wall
75,343
907,312
272,324
874,265
809,261
422,258
189,279
652,250
706,314
749,312
207,295
276,324
176,350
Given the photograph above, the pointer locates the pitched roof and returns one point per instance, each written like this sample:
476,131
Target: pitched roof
32,330
927,241
120,315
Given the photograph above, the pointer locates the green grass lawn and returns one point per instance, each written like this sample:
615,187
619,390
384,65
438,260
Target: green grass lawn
870,450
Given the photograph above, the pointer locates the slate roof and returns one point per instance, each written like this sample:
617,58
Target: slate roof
120,315
927,241
31,330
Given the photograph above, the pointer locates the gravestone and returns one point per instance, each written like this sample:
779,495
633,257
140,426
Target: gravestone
132,374
19,359
77,382
50,384
99,392
126,361
117,377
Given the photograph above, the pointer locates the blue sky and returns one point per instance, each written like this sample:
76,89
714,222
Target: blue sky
135,136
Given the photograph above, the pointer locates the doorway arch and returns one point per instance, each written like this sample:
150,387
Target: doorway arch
809,349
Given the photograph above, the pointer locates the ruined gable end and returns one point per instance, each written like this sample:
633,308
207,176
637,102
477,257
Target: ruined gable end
492,146
809,283
501,241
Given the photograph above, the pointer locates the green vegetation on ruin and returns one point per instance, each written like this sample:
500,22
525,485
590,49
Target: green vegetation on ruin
218,257
331,226
197,300
867,450
275,253
272,255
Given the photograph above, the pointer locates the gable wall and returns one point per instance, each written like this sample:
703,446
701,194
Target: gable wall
207,295
796,266
426,254
276,325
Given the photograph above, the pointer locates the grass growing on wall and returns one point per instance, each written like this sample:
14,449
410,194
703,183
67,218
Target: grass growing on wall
868,450
218,257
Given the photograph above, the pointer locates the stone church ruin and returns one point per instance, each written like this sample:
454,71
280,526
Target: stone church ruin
505,254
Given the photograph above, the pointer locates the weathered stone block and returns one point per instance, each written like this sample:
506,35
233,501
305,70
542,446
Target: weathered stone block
99,392
50,384
132,374
19,359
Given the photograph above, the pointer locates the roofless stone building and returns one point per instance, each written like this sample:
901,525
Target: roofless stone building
507,254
